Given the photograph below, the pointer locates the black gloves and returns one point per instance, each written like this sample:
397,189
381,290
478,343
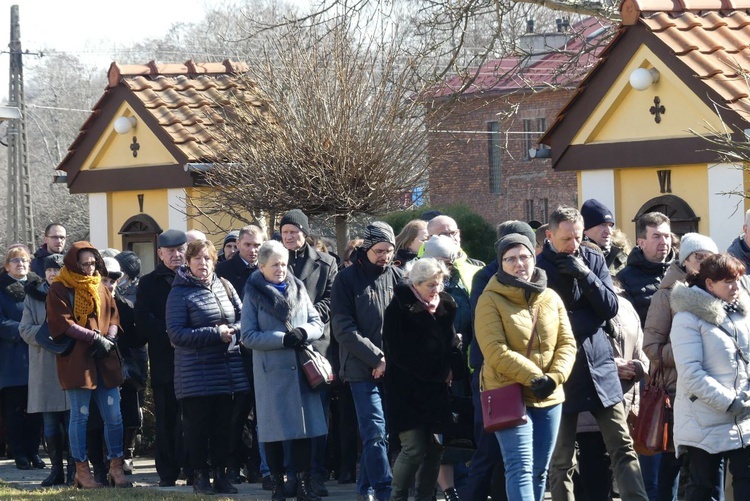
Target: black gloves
542,387
101,347
295,337
568,264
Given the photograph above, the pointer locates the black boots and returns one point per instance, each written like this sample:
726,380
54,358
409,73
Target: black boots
201,483
451,494
57,473
222,485
277,491
304,488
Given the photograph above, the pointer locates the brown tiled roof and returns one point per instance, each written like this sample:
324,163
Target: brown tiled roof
715,45
185,100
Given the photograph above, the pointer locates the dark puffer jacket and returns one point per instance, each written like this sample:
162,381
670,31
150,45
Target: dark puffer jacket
14,352
590,302
640,280
203,363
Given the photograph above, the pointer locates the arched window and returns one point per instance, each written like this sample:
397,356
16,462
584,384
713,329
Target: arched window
139,235
678,211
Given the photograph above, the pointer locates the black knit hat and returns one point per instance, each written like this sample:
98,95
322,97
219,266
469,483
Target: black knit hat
519,227
595,213
130,263
232,236
53,261
298,219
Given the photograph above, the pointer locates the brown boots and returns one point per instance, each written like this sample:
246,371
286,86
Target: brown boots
84,479
116,474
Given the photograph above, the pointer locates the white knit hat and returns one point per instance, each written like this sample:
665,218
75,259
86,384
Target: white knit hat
695,242
441,247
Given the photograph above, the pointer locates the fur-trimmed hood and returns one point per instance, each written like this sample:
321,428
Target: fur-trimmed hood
281,306
703,305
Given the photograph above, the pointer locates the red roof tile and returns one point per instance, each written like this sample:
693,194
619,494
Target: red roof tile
183,99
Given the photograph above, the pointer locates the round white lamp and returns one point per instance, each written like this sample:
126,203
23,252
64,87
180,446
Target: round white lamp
641,78
123,125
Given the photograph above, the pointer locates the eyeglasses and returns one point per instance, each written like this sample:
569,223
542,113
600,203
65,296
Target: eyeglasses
513,260
451,234
700,256
56,237
89,264
19,260
380,253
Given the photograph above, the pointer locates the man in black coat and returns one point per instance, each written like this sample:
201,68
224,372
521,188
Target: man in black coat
54,243
243,436
581,278
150,319
317,271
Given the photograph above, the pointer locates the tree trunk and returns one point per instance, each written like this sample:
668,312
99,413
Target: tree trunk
342,234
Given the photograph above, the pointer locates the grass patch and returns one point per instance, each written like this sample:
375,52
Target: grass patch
9,493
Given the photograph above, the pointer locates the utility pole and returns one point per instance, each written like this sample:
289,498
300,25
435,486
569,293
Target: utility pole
20,215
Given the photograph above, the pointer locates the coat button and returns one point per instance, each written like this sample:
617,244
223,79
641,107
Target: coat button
294,367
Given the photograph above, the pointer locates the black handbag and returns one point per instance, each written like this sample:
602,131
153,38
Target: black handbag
131,371
60,346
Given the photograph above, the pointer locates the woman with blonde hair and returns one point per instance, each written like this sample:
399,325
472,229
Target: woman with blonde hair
408,242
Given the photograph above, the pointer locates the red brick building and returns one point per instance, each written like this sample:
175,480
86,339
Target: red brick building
479,142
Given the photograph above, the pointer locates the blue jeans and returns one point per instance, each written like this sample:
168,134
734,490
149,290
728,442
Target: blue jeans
55,423
527,450
108,400
650,473
374,467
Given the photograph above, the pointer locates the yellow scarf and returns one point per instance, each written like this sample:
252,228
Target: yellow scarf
86,299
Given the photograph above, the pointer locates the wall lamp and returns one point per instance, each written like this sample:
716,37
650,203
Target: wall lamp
540,153
642,78
123,125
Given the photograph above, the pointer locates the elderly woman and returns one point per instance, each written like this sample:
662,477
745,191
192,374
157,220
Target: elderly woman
657,344
203,320
408,242
277,318
423,353
711,347
22,429
515,311
45,394
80,307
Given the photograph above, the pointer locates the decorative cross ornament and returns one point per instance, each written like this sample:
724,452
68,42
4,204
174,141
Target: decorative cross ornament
135,146
657,109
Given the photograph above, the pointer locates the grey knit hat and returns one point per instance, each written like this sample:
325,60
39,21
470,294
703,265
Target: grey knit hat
511,240
695,242
520,227
441,247
376,232
53,261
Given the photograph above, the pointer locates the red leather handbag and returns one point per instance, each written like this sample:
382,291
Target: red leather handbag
652,426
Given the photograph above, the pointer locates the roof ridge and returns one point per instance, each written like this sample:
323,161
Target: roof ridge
632,10
152,69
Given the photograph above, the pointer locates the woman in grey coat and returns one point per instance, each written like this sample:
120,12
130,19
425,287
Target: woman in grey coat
277,317
45,393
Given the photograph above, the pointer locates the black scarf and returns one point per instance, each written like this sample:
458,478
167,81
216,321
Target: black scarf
537,284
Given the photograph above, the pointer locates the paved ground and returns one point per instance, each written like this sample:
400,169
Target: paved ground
145,476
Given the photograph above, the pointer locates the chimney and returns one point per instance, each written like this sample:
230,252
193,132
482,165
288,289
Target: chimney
534,46
529,26
558,21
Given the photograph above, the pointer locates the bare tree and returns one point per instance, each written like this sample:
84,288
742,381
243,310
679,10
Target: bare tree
341,133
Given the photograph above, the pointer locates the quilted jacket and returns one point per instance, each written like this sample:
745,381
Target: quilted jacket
711,370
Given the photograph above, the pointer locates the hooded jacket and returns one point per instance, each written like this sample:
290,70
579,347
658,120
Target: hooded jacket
503,325
640,279
79,369
711,370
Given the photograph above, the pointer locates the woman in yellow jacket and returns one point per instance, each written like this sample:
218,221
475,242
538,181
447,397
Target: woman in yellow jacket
504,327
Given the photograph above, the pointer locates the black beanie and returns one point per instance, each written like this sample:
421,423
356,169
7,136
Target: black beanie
519,227
53,261
595,213
298,219
130,263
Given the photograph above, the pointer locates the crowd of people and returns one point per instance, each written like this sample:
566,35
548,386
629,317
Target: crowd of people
414,329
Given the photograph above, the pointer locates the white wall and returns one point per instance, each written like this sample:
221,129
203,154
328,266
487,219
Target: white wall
726,212
599,184
98,227
177,209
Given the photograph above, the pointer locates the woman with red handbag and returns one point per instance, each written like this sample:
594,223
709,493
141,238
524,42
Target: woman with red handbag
524,333
711,345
